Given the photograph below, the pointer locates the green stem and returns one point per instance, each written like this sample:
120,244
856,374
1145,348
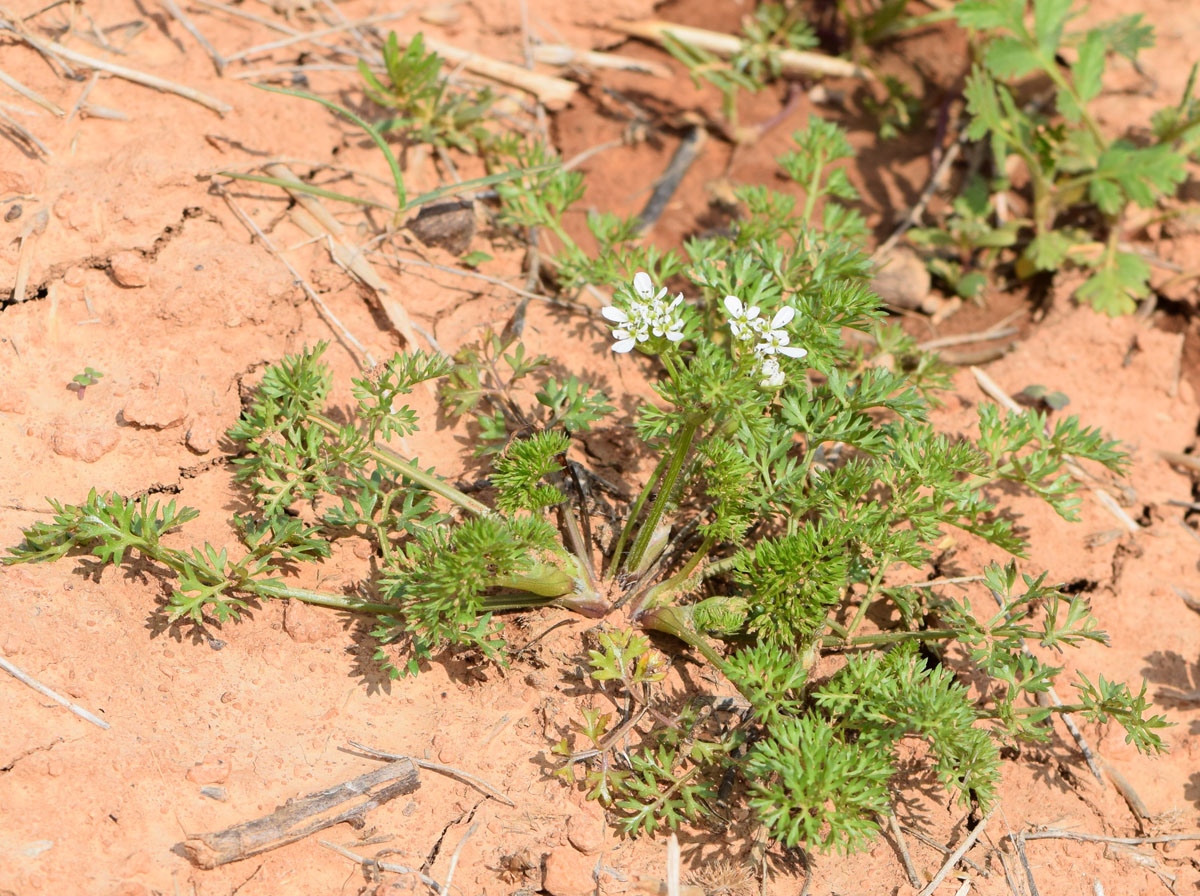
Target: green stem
318,598
681,446
655,595
719,566
636,510
813,191
879,640
676,621
410,470
869,597
1060,708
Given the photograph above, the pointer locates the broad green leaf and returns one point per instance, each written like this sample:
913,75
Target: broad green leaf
984,15
1047,251
1049,16
1140,174
1008,57
1089,66
1120,279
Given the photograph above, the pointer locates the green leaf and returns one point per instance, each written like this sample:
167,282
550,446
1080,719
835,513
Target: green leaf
1120,279
986,15
1049,17
1089,66
1047,251
1008,57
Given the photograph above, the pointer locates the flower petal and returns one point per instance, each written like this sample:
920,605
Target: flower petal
752,312
623,346
783,317
734,306
675,335
615,314
643,285
792,351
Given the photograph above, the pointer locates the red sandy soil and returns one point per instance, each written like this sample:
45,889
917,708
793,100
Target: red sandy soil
143,272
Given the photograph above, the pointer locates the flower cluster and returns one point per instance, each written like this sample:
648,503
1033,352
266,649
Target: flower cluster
771,337
649,316
650,319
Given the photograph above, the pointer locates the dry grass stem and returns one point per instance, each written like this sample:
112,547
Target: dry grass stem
914,876
347,338
1058,834
383,866
27,679
438,767
32,95
562,55
958,853
58,51
27,135
295,37
792,61
182,17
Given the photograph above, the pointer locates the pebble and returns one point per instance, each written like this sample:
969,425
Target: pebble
903,281
74,276
203,435
586,834
220,794
568,874
212,770
85,443
161,407
130,268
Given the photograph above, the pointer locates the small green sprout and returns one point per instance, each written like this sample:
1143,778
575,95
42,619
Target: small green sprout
81,381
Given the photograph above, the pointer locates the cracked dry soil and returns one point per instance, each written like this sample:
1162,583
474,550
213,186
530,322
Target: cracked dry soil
138,268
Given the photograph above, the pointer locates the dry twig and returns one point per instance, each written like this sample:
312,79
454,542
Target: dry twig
26,678
466,777
298,818
958,853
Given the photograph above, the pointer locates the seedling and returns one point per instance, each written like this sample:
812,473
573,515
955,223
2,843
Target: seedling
1080,181
426,106
427,109
795,475
81,381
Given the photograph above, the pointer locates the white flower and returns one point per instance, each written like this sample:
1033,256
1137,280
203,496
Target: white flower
744,322
771,373
775,338
648,316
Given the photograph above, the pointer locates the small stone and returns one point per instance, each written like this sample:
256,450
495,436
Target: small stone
13,400
74,276
12,181
203,435
307,624
903,281
450,225
157,408
213,770
136,863
568,874
130,268
55,768
85,443
586,834
220,794
35,848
